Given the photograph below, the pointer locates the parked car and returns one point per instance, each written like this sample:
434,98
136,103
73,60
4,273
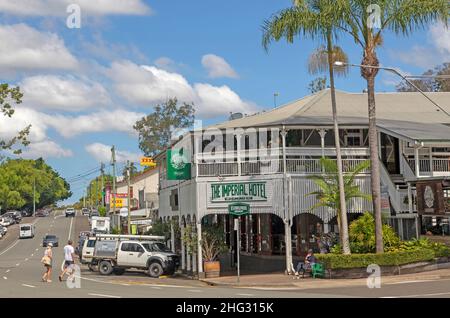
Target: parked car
94,213
26,213
50,239
85,212
15,215
3,230
112,255
41,213
6,221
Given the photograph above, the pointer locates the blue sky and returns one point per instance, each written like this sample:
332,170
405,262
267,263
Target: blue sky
205,51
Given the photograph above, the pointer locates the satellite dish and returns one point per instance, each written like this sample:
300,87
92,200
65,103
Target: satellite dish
124,212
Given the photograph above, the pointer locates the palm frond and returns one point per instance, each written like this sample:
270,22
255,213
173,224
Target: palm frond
318,61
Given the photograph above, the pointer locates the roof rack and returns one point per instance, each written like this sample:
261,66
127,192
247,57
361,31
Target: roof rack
129,237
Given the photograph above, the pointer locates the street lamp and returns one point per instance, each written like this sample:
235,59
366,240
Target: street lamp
405,78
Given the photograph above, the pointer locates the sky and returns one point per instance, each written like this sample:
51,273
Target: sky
84,88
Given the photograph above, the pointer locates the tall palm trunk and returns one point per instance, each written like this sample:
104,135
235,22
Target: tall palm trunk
342,210
369,74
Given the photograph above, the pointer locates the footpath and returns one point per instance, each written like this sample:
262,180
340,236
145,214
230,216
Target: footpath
282,281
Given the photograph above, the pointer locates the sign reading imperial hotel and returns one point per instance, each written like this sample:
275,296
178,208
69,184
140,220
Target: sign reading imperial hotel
238,192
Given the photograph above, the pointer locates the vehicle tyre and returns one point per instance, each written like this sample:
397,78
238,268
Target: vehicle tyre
155,270
119,271
105,268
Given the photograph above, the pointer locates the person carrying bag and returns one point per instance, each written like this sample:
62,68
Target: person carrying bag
47,261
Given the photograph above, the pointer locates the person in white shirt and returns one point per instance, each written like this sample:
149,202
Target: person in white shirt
69,260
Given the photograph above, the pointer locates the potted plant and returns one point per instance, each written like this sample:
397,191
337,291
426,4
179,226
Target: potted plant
213,244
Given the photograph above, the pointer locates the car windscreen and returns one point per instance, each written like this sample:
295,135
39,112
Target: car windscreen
156,247
50,237
25,228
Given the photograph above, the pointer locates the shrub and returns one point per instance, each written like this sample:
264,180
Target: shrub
340,261
439,249
362,235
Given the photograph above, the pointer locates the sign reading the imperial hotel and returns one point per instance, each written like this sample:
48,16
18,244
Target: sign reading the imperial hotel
238,192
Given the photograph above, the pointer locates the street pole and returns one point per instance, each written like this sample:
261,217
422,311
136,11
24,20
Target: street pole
113,154
84,199
238,249
129,196
34,196
102,169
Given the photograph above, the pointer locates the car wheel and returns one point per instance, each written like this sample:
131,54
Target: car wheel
155,270
119,271
105,268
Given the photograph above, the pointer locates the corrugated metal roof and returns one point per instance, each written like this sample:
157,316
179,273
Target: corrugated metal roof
313,109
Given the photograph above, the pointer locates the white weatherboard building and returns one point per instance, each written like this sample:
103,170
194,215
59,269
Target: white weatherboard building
262,163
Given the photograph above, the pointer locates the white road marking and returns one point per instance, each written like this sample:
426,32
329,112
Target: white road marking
9,248
102,295
32,255
18,264
409,282
4,277
8,271
195,291
156,288
245,294
70,229
419,295
31,286
26,259
37,249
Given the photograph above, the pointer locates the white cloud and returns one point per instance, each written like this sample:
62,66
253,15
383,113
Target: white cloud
25,48
148,85
218,67
441,38
63,93
114,120
428,56
102,153
58,7
41,145
46,149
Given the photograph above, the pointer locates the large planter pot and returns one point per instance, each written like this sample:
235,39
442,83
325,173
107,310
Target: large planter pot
212,269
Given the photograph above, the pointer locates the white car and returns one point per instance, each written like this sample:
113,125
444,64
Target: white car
5,222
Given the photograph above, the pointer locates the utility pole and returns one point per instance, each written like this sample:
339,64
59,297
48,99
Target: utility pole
34,196
129,196
113,155
102,170
84,199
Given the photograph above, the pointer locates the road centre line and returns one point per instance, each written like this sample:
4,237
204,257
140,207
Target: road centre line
10,247
70,229
409,282
4,277
102,295
195,291
31,286
8,271
245,294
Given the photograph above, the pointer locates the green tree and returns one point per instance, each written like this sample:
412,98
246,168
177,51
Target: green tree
155,129
317,85
401,17
428,83
17,179
322,20
328,194
9,95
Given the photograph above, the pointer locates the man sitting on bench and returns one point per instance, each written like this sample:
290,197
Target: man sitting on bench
303,267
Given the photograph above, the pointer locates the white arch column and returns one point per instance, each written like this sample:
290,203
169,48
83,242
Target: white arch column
183,247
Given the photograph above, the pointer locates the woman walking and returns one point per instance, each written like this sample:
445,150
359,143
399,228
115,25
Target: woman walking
48,260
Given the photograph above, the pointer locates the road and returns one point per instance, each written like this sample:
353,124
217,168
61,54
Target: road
21,271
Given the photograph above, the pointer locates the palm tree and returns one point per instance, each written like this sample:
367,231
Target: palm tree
401,17
316,19
328,194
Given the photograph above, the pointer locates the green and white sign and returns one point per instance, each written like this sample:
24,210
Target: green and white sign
178,166
238,192
239,209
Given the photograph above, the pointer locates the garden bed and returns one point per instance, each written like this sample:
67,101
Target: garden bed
391,263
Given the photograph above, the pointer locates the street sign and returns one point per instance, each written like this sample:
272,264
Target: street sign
119,202
120,195
239,209
147,162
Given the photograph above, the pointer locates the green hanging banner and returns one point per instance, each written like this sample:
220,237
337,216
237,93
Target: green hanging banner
178,166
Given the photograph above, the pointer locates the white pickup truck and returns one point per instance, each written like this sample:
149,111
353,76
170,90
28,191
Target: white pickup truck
117,253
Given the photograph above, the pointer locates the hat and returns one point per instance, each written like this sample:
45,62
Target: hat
50,244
